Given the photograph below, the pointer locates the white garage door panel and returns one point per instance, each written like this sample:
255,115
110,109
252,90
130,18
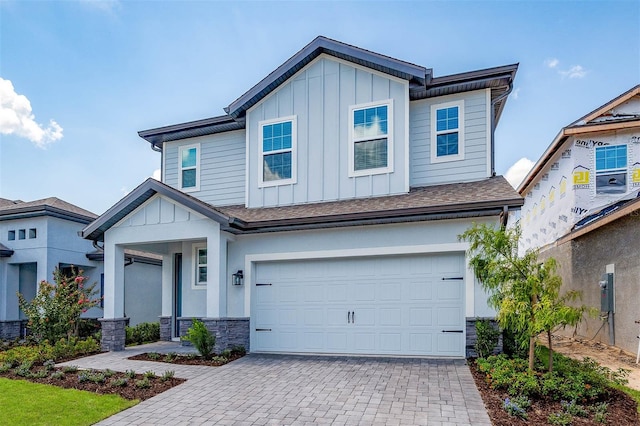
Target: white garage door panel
401,305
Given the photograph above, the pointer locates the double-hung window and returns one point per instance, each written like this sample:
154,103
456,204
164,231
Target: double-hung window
277,162
611,169
371,149
200,265
189,175
447,132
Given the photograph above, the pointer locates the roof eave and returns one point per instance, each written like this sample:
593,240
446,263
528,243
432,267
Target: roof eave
38,211
378,217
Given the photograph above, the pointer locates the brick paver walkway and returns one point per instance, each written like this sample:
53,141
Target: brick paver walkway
305,390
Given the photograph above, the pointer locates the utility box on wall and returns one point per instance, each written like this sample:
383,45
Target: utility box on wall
606,293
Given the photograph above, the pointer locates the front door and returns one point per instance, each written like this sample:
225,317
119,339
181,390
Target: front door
177,293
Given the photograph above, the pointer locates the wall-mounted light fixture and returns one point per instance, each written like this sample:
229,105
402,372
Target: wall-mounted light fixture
237,278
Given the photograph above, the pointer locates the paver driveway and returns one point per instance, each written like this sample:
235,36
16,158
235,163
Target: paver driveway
296,390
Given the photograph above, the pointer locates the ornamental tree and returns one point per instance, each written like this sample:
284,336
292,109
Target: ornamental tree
55,311
524,292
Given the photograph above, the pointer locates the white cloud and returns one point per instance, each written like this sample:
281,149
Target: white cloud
518,171
576,71
516,93
16,117
156,174
551,62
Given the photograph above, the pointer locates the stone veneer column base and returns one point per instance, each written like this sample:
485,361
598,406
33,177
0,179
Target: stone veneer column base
165,328
184,323
471,336
10,330
113,333
229,332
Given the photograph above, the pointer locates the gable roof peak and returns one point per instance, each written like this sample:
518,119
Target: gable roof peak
319,45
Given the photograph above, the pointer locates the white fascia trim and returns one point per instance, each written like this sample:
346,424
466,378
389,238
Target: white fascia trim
489,129
447,158
163,165
198,155
294,152
194,266
351,157
251,259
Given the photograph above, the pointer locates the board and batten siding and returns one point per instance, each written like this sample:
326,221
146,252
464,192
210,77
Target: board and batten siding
319,96
476,143
222,167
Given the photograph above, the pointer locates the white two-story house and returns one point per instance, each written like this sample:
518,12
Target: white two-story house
321,213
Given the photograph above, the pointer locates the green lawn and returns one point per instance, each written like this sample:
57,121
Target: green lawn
26,403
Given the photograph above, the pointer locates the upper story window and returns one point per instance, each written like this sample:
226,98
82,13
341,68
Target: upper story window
277,151
32,233
22,234
370,148
12,235
200,263
611,169
189,176
447,132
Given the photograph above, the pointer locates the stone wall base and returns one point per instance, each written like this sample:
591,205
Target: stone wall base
229,332
10,330
165,328
113,333
471,337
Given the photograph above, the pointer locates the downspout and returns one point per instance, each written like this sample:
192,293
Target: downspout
504,217
493,126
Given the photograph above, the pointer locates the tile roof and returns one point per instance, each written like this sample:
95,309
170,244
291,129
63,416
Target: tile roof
447,198
8,207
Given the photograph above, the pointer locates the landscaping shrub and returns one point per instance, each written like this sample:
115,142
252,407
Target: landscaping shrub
203,340
487,337
145,332
55,311
62,349
576,381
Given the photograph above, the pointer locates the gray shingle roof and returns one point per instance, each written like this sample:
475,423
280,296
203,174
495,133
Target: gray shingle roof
51,206
436,199
469,199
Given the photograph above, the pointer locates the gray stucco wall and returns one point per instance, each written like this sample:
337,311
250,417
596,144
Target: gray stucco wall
583,261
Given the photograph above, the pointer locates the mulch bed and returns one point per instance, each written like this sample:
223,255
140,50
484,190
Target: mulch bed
130,391
622,409
190,359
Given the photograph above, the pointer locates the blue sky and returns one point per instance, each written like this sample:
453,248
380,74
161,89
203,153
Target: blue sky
78,79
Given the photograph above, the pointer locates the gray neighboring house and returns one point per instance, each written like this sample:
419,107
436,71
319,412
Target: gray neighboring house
581,207
321,213
38,236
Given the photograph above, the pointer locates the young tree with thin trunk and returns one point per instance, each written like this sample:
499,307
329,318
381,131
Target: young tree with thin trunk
523,291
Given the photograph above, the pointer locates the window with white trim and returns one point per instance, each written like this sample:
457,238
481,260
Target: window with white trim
200,265
189,173
370,148
277,151
611,169
447,132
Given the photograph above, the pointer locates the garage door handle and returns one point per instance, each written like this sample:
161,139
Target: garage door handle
453,278
348,317
452,331
353,317
263,329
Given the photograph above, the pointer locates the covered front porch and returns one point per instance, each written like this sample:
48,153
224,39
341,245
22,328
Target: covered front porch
195,276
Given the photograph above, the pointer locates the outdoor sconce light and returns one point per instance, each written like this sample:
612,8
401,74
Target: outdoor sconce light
237,278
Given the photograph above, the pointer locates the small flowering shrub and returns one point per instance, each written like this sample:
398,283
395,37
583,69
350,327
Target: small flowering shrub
517,406
55,310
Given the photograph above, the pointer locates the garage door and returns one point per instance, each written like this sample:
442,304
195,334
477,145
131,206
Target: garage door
401,305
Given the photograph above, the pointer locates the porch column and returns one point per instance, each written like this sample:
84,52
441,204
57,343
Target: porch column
113,323
213,273
166,316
